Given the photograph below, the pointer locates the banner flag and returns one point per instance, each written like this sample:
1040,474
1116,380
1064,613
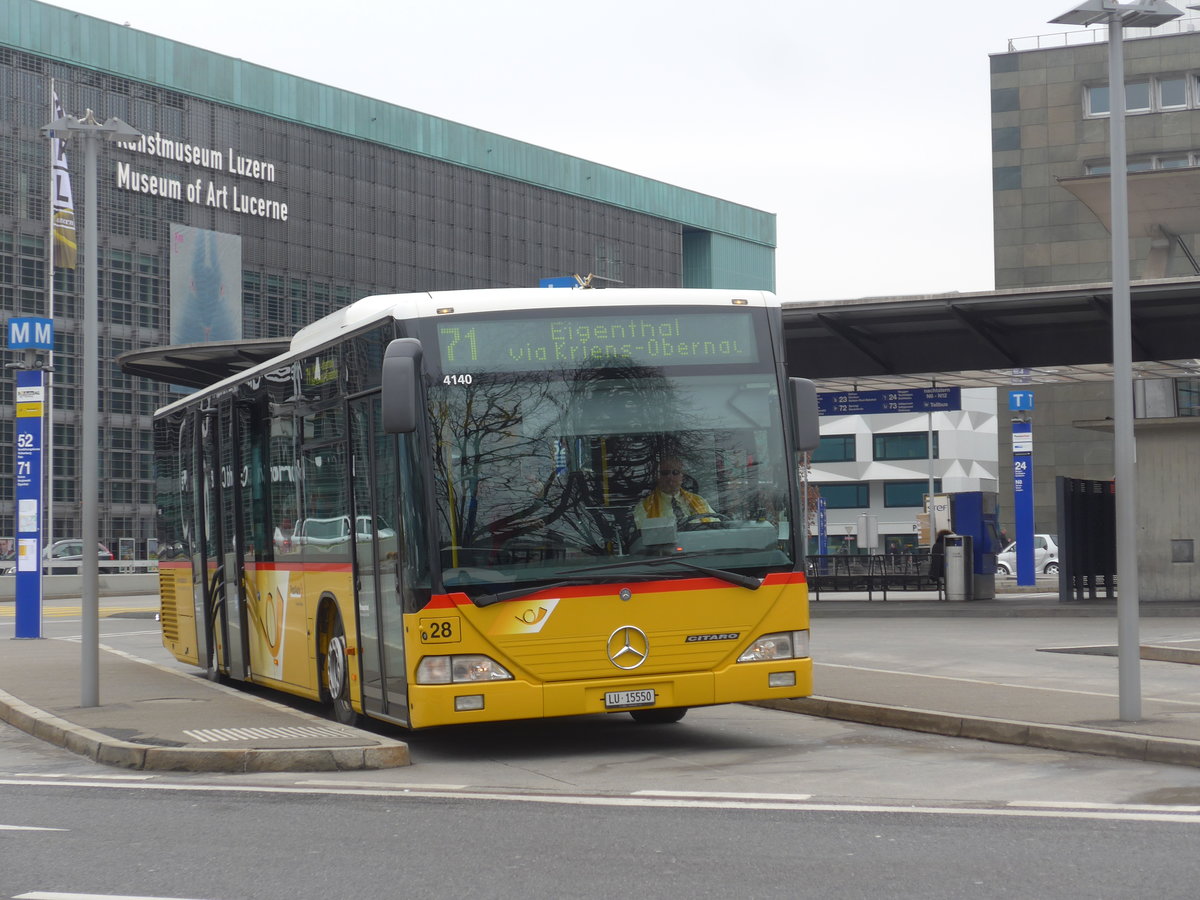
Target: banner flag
65,245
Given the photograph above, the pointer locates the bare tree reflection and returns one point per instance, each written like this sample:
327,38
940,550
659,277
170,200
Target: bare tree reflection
539,467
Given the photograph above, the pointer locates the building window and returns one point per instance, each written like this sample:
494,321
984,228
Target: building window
1164,92
1187,396
1177,160
1137,98
908,493
904,445
854,495
835,448
1172,92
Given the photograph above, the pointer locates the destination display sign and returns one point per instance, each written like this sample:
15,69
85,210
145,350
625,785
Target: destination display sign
670,338
898,400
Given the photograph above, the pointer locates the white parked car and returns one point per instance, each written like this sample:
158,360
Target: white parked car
328,532
68,551
1045,556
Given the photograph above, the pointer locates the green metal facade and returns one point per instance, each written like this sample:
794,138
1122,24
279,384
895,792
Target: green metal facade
739,250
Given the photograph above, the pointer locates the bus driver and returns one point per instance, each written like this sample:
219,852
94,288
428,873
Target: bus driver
669,498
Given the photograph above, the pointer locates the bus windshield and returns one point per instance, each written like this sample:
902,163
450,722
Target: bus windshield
613,470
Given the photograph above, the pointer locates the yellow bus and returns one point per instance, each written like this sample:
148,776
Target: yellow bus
498,504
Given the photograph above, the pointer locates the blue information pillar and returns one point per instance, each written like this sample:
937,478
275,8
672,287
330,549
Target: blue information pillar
1022,445
29,335
30,401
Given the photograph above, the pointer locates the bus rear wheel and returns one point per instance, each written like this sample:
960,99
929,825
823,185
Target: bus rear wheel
661,716
335,674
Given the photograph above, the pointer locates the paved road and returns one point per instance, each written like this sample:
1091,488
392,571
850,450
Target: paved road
138,839
745,749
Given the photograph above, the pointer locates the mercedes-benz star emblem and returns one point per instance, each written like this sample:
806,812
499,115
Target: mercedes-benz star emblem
628,647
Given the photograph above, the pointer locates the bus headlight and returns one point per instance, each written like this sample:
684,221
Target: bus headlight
460,669
781,645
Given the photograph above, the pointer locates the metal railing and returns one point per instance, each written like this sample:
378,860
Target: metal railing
1099,35
876,573
106,566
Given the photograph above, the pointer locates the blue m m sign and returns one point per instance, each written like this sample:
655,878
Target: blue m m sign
30,333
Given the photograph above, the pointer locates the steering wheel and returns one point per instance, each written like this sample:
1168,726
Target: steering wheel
697,521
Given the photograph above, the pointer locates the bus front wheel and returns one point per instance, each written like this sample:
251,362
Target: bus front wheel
335,673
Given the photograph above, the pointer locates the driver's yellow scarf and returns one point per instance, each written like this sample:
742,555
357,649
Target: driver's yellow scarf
655,503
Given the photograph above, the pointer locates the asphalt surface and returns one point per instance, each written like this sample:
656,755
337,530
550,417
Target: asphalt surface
963,678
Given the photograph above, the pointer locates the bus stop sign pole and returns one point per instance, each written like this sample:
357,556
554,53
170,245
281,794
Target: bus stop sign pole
28,494
29,335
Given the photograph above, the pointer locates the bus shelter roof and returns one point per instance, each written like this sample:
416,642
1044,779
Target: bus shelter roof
987,339
993,339
199,365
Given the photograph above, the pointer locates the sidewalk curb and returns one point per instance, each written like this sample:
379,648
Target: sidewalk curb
383,753
1099,742
128,755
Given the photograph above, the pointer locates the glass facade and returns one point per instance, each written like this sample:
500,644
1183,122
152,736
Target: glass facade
852,495
904,445
908,493
835,448
322,218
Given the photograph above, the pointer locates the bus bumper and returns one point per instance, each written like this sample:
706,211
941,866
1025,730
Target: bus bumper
432,705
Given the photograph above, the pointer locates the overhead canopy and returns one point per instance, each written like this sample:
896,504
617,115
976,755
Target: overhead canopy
199,365
1158,199
1058,334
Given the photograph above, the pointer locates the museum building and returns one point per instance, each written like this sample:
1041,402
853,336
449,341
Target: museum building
256,202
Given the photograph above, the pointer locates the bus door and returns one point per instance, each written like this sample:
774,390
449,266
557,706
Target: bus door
225,605
377,543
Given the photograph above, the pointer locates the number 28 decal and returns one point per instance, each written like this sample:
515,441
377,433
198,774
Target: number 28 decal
442,630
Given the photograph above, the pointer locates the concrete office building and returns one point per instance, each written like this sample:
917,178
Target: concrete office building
259,202
880,465
1049,99
1050,133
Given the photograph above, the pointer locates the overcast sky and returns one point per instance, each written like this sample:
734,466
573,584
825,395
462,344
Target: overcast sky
863,127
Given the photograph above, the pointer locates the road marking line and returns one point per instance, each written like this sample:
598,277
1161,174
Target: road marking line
1027,687
401,786
58,895
723,795
65,775
1166,815
1126,807
63,612
28,828
130,633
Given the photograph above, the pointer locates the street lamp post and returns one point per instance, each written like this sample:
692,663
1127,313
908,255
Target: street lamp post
91,132
1118,16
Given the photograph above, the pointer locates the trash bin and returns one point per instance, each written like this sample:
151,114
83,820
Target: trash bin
960,567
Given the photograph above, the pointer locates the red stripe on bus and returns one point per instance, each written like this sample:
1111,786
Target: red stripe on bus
444,601
449,601
271,566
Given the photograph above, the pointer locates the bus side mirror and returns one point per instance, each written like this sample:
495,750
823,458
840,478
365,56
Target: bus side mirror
804,410
401,395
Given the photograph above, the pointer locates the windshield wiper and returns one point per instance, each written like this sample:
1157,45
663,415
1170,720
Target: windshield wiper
736,578
501,596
